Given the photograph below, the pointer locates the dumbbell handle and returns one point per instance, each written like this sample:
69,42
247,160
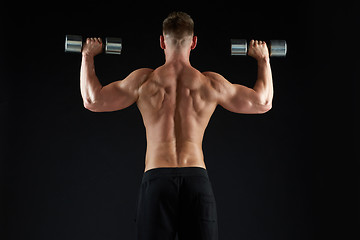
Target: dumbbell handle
74,43
278,48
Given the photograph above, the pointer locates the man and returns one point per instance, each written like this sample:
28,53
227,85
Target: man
176,102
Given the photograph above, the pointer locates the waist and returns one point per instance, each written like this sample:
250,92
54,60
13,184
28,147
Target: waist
170,154
174,172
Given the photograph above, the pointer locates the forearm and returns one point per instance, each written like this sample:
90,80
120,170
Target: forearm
264,84
89,83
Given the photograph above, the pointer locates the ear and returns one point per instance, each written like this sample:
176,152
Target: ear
194,42
162,42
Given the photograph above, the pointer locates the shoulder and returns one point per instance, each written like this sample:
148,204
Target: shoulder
141,72
212,75
138,76
216,80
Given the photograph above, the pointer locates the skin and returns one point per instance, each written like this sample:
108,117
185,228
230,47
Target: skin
176,101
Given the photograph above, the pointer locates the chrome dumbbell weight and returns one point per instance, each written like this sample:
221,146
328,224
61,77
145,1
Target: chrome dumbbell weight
277,48
74,43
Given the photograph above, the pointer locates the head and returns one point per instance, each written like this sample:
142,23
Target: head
178,33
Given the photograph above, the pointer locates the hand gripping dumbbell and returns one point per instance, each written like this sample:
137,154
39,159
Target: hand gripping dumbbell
74,43
278,48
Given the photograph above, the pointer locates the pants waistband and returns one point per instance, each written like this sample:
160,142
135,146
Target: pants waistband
175,172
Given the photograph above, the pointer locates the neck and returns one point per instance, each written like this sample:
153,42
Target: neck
177,56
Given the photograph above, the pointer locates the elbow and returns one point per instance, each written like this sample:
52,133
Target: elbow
264,103
265,107
91,106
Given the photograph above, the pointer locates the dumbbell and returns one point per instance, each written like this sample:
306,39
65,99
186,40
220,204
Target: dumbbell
74,43
278,48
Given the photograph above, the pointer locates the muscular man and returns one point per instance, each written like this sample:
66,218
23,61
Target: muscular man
176,102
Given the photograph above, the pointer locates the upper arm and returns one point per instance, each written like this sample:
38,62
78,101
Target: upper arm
123,93
235,97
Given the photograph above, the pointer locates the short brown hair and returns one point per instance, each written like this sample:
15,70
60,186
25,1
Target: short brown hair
178,24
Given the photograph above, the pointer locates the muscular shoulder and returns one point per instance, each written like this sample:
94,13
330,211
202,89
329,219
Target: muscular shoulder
140,74
217,81
136,78
215,77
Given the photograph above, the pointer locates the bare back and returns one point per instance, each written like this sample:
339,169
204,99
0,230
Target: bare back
176,102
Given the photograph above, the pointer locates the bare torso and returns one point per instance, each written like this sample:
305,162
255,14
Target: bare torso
176,102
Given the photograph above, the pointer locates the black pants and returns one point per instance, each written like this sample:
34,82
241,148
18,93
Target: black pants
176,200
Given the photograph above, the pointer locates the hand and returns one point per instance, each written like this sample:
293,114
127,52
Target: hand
92,47
258,50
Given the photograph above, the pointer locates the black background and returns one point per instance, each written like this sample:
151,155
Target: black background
68,173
